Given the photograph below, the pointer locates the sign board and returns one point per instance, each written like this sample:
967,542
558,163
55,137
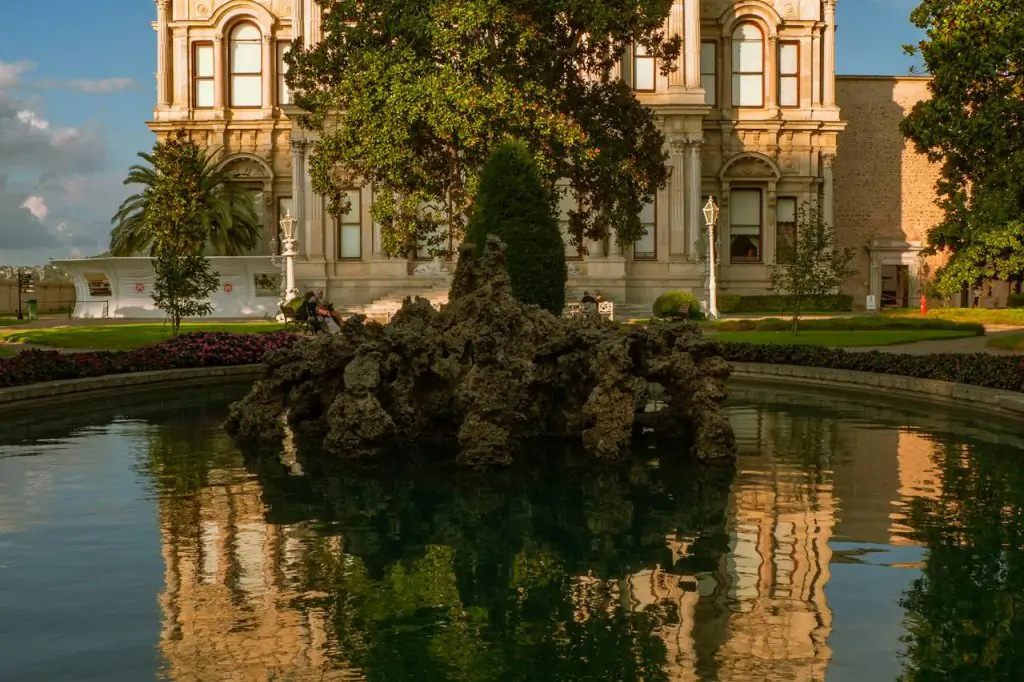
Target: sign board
872,305
25,282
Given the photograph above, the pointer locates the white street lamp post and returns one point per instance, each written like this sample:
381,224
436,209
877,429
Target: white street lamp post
288,242
711,218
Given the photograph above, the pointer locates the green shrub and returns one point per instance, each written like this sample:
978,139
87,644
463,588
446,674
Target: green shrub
729,303
513,205
677,304
858,323
836,303
1015,301
977,369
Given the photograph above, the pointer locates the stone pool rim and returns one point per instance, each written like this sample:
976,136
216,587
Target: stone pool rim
990,400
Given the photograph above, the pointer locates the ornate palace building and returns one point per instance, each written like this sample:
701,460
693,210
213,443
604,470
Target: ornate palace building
752,116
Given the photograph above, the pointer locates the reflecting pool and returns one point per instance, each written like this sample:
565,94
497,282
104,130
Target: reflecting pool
856,540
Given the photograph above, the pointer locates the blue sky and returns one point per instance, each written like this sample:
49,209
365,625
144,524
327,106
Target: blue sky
77,85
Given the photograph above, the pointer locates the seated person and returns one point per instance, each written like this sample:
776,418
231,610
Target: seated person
587,298
315,306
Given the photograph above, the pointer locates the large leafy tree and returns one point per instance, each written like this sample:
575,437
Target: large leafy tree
974,126
412,96
220,214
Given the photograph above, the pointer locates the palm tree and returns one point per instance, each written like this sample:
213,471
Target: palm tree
229,216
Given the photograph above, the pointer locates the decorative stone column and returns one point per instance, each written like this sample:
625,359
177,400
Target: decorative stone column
219,69
676,27
298,29
678,238
771,74
180,65
269,69
691,43
828,188
299,193
694,217
828,75
163,17
815,68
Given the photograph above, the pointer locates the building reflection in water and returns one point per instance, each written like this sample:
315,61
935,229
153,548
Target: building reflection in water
233,605
764,614
230,599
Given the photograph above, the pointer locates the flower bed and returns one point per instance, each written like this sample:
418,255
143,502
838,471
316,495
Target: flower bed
198,349
975,369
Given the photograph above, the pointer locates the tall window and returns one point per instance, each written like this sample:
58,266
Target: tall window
747,66
284,95
785,229
245,59
567,202
202,76
745,226
709,72
350,228
646,248
789,74
644,70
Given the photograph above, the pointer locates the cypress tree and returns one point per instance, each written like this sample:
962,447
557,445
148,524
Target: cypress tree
513,204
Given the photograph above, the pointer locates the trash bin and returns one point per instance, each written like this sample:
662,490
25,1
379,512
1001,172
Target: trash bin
33,309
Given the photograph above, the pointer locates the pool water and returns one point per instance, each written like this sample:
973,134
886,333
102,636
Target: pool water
856,540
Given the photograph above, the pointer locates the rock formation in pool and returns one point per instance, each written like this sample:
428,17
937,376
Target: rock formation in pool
488,373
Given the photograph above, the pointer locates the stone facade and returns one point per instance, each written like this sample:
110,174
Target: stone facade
885,190
752,116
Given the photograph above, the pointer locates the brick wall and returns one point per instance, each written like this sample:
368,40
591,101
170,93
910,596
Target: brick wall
884,189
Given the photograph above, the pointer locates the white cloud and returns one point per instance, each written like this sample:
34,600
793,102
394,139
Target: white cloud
56,193
101,86
10,74
36,205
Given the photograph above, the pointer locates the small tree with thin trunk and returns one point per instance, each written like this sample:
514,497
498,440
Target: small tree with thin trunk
183,285
810,264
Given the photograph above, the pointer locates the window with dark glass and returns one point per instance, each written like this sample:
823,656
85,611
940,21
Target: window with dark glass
745,226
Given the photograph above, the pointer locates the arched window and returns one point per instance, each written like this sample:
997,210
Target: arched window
245,65
747,66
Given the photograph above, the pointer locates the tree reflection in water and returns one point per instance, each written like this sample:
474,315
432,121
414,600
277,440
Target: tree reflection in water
965,614
510,575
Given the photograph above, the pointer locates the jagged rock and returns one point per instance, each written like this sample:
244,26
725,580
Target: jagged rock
488,373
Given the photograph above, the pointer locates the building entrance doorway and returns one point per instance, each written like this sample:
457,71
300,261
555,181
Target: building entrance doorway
895,286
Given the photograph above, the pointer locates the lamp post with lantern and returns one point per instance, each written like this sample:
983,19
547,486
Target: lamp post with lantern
710,211
287,257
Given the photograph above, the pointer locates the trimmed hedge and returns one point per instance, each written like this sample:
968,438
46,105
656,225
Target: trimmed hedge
197,349
1015,301
733,304
858,323
677,303
512,204
1004,372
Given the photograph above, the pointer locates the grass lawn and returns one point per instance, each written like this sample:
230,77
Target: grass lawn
1013,342
125,336
843,339
1007,316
